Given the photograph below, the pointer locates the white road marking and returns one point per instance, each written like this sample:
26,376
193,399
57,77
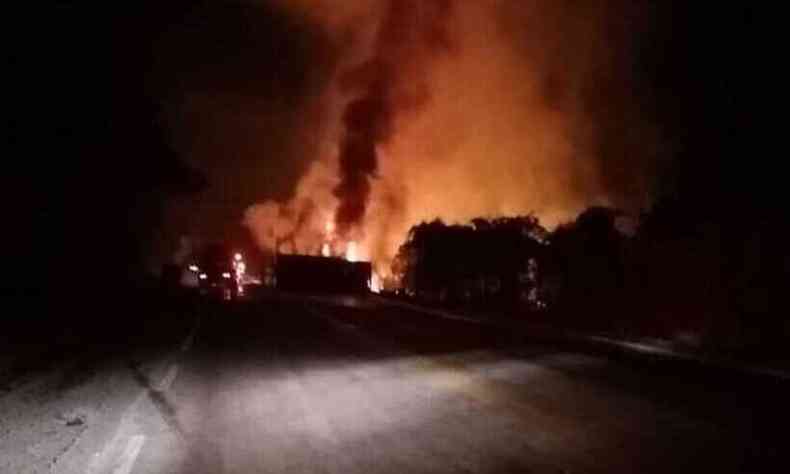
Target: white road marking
129,456
101,459
125,462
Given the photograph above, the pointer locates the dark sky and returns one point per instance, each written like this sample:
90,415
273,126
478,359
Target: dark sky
195,110
237,81
137,124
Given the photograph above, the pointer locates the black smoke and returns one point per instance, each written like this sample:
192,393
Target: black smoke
387,84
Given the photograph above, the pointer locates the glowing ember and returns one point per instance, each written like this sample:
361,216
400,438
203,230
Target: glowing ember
329,227
326,251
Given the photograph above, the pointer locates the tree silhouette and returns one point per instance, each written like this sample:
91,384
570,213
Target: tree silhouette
489,260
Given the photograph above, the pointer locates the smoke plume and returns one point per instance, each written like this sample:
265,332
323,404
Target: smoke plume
458,109
410,31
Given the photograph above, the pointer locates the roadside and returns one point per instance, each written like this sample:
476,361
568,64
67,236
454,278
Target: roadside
644,348
41,334
63,393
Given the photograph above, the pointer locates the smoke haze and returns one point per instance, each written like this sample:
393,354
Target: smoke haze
458,109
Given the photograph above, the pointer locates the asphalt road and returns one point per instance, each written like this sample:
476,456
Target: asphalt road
291,385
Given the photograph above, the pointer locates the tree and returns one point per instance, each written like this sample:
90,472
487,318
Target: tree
587,256
487,259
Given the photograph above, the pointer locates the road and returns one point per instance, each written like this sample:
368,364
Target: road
296,385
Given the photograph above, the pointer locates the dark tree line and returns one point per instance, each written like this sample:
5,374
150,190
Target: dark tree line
488,260
680,275
709,261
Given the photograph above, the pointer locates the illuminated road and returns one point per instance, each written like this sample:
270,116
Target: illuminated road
290,386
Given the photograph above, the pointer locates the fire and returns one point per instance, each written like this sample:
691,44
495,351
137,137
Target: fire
395,147
376,285
352,253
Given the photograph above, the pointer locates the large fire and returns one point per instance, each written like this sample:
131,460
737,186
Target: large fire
455,110
352,254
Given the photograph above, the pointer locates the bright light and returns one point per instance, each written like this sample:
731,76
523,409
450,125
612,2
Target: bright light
351,252
329,227
375,284
193,268
326,251
226,275
203,276
241,268
237,257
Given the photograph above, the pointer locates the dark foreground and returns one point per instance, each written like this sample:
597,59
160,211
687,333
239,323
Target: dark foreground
290,385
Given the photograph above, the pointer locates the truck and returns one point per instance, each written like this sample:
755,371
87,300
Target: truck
308,273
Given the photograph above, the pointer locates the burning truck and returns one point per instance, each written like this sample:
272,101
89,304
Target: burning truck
309,273
329,263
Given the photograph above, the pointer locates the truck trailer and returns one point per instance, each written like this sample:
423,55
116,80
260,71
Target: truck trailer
308,273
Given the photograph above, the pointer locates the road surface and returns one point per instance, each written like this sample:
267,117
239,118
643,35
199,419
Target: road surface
347,386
